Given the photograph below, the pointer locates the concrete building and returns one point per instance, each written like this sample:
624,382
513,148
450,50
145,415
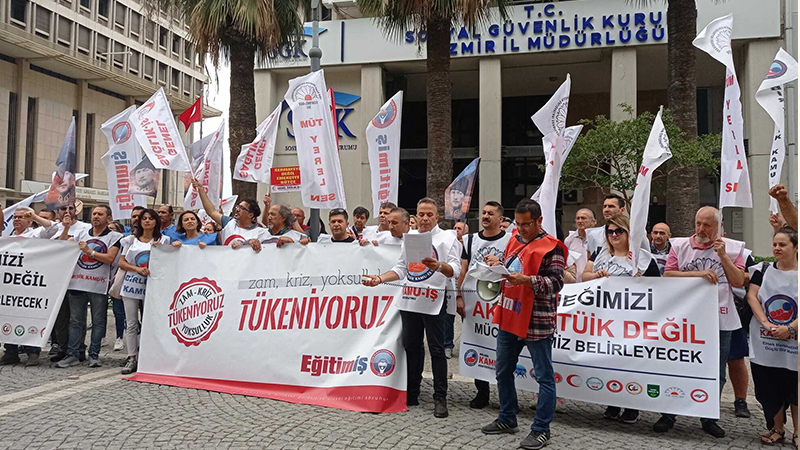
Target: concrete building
87,59
615,51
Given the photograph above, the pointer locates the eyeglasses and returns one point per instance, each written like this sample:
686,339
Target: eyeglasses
615,231
336,211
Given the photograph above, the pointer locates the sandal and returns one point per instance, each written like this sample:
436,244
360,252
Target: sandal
769,439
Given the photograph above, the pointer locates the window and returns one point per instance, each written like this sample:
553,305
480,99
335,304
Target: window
163,37
150,31
162,73
30,137
136,25
86,4
11,144
198,88
102,48
64,31
88,155
176,80
102,8
176,45
133,61
43,21
119,55
120,12
19,12
188,51
187,84
84,40
149,63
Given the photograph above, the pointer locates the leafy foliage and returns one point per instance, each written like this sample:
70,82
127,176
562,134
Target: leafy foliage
609,154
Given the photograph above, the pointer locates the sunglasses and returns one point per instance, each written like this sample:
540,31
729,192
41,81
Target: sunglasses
616,231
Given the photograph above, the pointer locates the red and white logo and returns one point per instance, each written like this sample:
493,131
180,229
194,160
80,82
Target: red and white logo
195,311
614,386
699,395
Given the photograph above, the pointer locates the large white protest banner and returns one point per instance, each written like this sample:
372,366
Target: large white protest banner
556,149
383,142
34,283
734,186
644,343
656,152
158,135
124,153
317,150
211,305
209,172
770,96
254,163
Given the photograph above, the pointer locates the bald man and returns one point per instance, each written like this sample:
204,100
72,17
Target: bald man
576,242
660,246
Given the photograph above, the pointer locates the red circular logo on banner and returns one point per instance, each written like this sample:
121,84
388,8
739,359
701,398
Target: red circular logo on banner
614,386
699,395
195,311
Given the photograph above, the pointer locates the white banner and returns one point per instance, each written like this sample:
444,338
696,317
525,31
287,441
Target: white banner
770,96
383,142
557,149
317,152
255,159
124,153
209,172
158,135
644,343
34,283
226,205
734,190
656,152
552,117
216,304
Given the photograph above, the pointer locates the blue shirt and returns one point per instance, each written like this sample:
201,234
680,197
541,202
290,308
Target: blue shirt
208,239
170,232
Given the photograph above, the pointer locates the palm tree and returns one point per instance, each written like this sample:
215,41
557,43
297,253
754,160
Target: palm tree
240,32
434,18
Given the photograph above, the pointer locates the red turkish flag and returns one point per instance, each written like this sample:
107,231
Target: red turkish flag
192,114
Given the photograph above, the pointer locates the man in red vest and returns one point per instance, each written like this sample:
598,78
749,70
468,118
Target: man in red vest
527,317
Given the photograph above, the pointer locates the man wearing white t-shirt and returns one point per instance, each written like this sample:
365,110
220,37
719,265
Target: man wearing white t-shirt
281,225
240,229
371,232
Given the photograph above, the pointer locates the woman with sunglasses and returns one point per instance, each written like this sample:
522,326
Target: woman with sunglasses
188,231
613,260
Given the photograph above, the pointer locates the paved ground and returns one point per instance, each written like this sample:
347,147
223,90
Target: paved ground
47,408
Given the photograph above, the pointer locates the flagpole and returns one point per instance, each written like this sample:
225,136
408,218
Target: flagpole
315,54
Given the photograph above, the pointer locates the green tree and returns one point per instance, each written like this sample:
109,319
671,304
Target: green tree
240,32
609,154
434,18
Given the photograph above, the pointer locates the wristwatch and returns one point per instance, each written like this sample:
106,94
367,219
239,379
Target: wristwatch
439,269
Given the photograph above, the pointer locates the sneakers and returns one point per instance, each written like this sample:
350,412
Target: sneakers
69,361
130,366
711,427
740,408
448,353
663,424
612,413
118,345
480,401
535,440
412,400
630,416
499,428
94,362
58,356
440,408
33,360
8,359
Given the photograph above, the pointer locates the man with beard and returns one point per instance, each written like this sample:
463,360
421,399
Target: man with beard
371,232
660,246
719,261
240,229
280,222
490,241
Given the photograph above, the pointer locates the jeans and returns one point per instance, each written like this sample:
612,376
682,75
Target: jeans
415,325
77,321
119,316
509,347
724,349
14,350
449,331
132,324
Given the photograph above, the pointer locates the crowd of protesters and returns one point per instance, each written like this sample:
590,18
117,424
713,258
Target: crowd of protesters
117,271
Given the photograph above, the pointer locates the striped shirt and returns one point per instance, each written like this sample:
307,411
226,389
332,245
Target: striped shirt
546,284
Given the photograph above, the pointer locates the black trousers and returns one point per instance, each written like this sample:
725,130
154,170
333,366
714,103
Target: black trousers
415,327
60,333
483,387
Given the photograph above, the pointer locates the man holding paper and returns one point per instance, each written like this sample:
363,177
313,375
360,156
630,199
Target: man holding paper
428,258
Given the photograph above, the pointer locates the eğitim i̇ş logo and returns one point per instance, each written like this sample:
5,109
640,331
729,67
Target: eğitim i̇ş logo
781,309
382,363
142,259
386,116
195,311
470,357
87,262
420,272
776,69
121,132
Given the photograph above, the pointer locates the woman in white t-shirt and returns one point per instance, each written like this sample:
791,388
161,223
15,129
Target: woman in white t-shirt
773,336
613,260
135,262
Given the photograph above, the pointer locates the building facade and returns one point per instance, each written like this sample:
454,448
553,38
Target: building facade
87,59
503,72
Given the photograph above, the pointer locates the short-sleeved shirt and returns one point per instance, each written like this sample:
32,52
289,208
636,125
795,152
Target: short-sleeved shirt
208,239
137,253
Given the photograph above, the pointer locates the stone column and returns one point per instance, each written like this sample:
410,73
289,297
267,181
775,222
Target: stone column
80,131
490,120
623,81
23,77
